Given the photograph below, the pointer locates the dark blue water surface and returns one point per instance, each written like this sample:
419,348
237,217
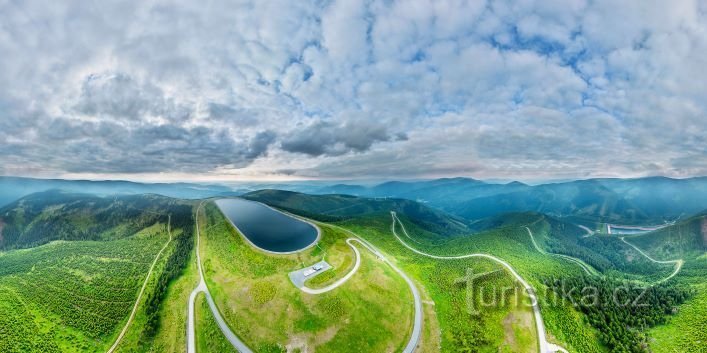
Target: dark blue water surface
268,229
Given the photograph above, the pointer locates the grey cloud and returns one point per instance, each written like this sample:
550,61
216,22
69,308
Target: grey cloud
401,136
392,163
62,129
198,155
117,95
327,138
231,114
105,147
121,96
259,144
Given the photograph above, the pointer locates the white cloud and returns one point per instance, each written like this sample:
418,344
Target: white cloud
495,89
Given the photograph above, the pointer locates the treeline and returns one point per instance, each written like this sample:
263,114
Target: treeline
621,311
182,218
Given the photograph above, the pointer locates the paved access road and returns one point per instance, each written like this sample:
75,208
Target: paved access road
586,229
545,346
142,290
340,281
417,323
241,347
225,329
678,263
588,269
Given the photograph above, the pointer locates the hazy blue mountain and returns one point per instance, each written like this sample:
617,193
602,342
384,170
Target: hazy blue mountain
13,188
588,198
348,189
52,215
643,200
439,193
653,199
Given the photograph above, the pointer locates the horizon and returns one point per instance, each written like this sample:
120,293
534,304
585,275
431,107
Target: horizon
356,182
346,176
353,90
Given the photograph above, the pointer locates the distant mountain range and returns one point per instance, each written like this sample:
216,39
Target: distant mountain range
628,201
653,199
13,188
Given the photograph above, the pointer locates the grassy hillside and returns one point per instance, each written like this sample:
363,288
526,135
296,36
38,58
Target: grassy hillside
683,241
371,312
488,329
607,254
160,321
506,237
209,337
170,316
687,330
73,265
339,207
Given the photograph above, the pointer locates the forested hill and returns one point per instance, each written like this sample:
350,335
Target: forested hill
684,239
55,215
340,207
14,188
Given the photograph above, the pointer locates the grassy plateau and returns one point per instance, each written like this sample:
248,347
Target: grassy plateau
372,311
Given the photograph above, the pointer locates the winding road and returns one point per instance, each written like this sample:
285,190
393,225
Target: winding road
142,290
586,229
241,347
342,280
225,329
588,269
678,263
545,346
591,271
417,323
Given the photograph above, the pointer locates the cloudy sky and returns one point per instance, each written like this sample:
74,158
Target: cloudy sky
227,90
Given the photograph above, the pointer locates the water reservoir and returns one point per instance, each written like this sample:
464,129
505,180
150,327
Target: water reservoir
267,228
